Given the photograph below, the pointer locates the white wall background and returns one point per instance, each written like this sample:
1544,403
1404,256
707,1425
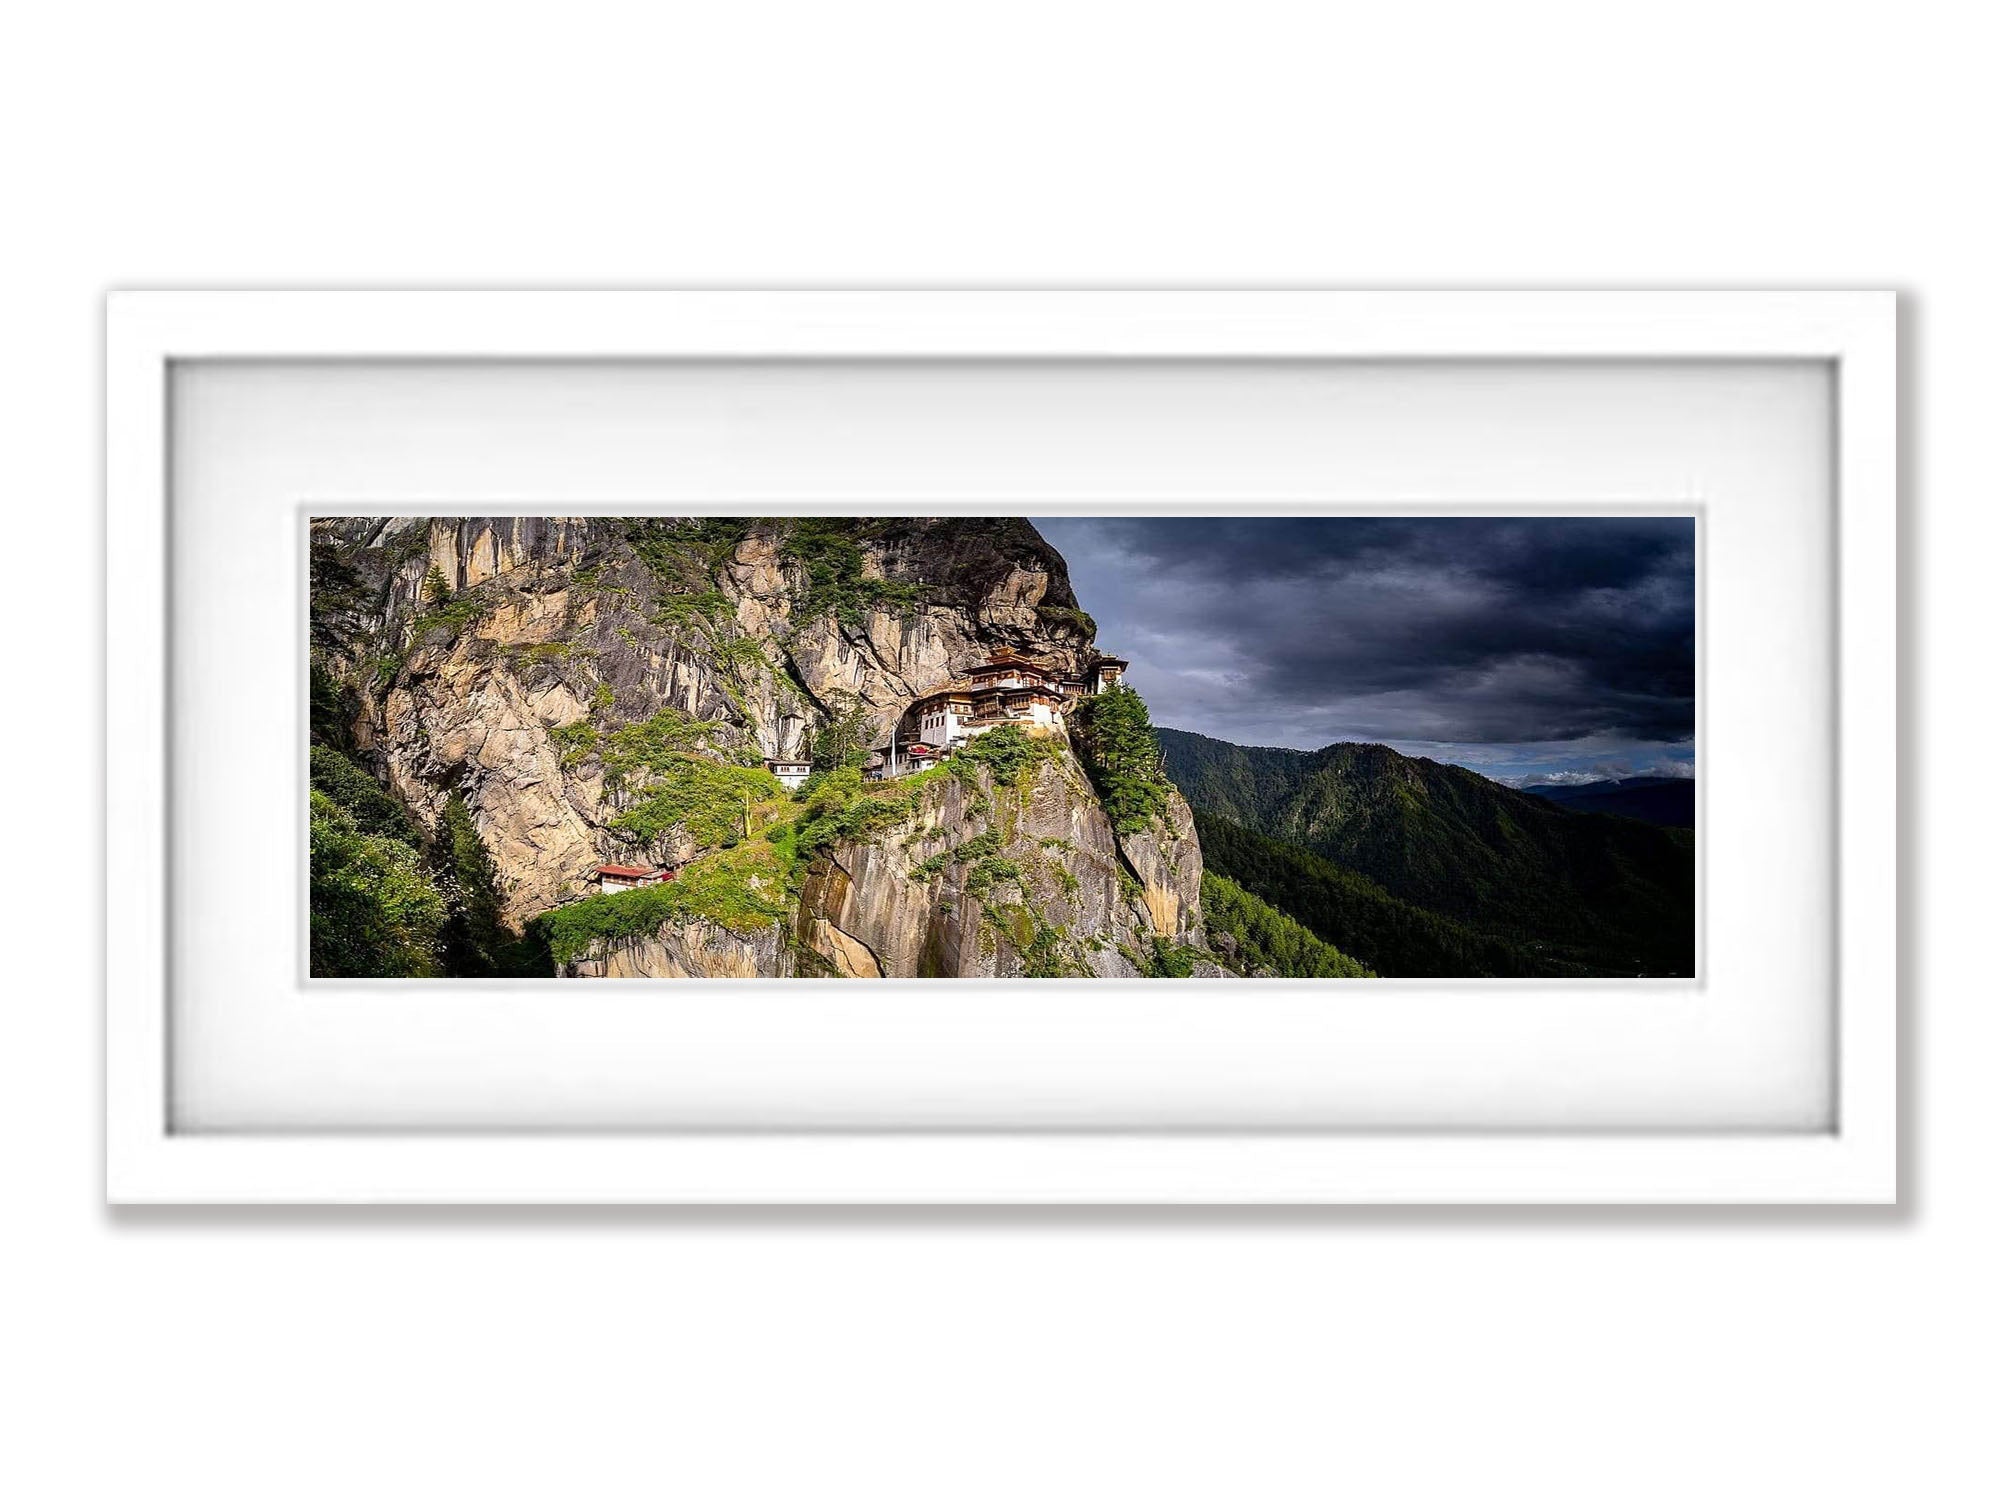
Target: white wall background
1448,1353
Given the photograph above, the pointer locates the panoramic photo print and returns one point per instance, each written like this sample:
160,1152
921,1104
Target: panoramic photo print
1002,747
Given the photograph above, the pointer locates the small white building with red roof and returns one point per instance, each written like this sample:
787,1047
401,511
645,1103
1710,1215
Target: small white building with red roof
630,877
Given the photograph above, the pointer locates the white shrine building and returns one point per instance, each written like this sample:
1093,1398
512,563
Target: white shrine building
1006,689
792,773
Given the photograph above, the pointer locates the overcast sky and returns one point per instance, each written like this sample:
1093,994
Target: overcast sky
1518,647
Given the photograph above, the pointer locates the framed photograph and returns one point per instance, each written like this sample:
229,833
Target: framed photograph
1002,747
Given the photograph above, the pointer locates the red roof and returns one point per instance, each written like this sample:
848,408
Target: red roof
629,872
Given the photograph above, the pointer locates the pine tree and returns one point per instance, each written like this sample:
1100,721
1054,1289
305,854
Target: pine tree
1123,758
843,739
475,933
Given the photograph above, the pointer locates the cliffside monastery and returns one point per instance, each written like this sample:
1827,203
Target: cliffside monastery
1006,689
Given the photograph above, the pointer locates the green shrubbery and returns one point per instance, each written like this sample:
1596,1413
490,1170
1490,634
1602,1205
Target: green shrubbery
989,872
363,798
834,563
1043,957
746,883
841,807
1168,960
1044,950
684,553
710,799
982,845
373,909
1268,939
656,745
373,913
987,866
444,617
575,740
387,902
741,889
666,549
738,654
1065,618
706,608
1123,758
845,735
452,613
1161,959
1007,752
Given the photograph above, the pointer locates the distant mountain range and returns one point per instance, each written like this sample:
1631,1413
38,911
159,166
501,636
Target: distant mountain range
1419,868
1666,800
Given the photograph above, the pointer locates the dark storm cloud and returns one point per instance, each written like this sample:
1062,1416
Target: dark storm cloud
1482,631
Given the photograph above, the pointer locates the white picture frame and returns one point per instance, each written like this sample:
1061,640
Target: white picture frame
1852,1161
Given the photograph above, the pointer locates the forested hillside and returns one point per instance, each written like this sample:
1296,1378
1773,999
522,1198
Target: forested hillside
1415,867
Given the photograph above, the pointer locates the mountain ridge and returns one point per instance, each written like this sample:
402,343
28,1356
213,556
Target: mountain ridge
1610,894
1666,800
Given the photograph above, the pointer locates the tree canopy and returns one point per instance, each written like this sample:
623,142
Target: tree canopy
1122,756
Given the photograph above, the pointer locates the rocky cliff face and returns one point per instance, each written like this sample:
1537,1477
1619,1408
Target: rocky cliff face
605,690
997,877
